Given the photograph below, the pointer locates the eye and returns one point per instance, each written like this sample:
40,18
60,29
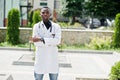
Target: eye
43,12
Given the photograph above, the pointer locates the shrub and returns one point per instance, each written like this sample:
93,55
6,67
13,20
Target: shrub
115,72
36,17
116,35
99,43
30,18
12,35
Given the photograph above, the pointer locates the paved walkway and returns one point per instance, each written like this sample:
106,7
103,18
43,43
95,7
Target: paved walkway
73,66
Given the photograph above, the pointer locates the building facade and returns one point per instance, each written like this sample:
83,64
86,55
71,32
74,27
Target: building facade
2,11
24,6
54,5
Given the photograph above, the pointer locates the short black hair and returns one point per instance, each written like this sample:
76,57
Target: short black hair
47,8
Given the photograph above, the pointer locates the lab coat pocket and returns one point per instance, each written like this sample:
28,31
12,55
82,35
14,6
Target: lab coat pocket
52,35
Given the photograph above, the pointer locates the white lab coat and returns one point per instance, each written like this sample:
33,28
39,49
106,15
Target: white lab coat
46,59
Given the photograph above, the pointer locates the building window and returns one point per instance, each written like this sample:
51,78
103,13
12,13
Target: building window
57,4
43,4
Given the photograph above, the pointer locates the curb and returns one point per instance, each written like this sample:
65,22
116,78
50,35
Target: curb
11,48
61,50
87,51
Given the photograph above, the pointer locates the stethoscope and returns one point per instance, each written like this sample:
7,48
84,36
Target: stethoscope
44,26
50,28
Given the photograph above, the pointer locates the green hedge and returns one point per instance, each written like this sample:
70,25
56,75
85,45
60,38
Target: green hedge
36,17
13,24
115,72
99,43
116,35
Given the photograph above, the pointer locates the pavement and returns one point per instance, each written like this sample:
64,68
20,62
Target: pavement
74,65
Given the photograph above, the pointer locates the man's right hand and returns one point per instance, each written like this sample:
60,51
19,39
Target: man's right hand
35,39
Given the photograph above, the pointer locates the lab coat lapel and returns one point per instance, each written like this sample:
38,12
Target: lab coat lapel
44,29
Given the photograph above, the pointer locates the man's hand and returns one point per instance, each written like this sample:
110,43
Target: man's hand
35,39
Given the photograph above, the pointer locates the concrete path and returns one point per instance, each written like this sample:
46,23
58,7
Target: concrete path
73,66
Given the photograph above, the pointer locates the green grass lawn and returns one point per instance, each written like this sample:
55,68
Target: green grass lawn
68,47
5,44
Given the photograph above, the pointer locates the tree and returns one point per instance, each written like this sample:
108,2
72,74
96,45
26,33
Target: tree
103,8
36,17
30,17
116,35
72,8
115,71
13,24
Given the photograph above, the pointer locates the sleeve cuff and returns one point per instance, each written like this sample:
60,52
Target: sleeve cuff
42,39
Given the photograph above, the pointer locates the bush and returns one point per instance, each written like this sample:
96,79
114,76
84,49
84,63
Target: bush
30,16
116,35
115,72
13,24
99,43
36,17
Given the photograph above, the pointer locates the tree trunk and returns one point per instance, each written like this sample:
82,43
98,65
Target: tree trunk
72,20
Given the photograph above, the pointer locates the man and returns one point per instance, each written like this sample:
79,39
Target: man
46,37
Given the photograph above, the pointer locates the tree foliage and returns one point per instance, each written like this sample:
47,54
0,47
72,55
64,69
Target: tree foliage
36,17
115,72
103,8
13,24
116,35
30,18
72,8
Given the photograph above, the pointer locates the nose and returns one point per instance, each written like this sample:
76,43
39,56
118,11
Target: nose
45,13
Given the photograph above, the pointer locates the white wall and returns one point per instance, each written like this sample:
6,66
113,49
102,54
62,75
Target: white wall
1,12
50,4
11,4
69,36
